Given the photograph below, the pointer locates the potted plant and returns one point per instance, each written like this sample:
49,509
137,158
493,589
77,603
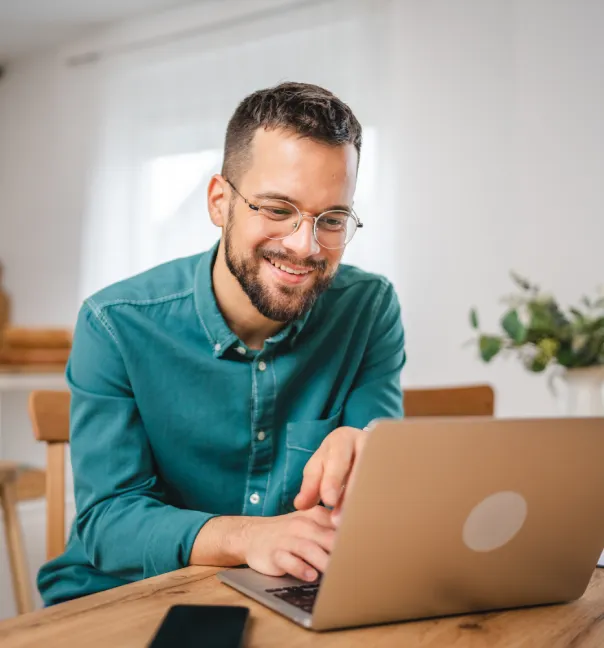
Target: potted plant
543,334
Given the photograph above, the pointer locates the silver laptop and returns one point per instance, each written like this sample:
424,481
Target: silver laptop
455,516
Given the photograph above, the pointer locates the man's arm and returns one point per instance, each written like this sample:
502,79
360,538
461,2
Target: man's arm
223,541
376,393
123,520
297,543
126,526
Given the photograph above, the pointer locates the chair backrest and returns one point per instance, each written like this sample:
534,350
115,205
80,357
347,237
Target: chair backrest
473,400
49,414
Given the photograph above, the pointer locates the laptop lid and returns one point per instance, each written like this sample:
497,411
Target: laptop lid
449,516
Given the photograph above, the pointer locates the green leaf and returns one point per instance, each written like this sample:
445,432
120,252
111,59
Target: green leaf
539,363
547,320
579,342
589,355
579,325
512,325
540,320
598,347
490,346
548,348
565,356
521,281
559,318
599,303
474,318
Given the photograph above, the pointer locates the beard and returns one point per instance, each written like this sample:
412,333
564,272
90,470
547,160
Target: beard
281,303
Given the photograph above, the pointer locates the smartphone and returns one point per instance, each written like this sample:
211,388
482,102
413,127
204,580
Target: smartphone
202,626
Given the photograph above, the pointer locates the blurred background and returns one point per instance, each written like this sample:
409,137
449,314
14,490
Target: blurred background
483,153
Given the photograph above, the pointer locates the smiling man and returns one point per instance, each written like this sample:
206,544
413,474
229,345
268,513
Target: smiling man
219,401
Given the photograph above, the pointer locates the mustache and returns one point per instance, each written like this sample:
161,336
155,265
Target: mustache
273,255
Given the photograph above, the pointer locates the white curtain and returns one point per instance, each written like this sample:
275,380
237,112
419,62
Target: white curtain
161,123
487,139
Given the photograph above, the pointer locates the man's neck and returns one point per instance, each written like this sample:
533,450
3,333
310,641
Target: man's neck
240,314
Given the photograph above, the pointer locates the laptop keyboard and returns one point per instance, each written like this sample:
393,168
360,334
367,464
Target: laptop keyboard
301,596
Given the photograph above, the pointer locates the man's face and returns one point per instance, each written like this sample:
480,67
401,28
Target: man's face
314,177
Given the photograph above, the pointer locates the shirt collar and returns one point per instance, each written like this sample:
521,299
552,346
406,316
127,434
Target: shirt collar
219,335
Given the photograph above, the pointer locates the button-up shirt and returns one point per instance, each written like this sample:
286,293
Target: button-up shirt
175,420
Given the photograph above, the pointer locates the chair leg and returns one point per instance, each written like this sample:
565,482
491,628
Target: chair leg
16,549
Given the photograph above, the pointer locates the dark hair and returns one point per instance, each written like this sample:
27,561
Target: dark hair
308,110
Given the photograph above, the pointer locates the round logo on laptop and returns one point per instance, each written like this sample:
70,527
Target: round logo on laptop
493,522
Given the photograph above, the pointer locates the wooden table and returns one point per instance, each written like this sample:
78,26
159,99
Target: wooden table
129,616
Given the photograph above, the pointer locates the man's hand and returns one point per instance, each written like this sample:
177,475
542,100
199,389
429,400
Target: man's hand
329,469
298,544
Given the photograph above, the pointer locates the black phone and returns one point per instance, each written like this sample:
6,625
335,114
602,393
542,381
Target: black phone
202,626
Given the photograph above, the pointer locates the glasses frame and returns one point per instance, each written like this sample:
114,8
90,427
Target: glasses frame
301,217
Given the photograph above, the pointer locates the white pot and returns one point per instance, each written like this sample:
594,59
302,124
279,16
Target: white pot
584,390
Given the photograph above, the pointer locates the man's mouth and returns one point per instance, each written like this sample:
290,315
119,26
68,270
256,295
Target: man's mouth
287,273
290,269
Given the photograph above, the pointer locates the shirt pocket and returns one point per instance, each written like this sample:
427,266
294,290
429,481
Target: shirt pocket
303,440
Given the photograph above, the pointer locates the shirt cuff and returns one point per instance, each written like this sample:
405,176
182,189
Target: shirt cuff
170,545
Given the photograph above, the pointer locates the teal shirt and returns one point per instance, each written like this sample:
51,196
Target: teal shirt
174,420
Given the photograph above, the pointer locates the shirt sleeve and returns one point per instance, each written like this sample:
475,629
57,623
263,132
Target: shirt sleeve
376,391
123,520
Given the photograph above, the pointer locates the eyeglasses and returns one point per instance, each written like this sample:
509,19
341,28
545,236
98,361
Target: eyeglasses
332,229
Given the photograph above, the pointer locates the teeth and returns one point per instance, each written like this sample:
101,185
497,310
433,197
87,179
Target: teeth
289,270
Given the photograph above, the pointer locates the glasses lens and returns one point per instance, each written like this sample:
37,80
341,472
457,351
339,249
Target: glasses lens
279,218
335,229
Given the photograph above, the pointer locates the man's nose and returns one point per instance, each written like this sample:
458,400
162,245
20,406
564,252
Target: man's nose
302,241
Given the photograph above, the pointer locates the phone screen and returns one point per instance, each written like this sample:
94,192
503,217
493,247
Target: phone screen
202,626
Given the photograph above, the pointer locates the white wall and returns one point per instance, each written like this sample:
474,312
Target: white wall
41,189
500,141
498,132
42,150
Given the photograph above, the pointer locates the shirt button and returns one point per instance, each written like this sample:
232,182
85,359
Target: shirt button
240,350
217,347
254,498
261,436
262,365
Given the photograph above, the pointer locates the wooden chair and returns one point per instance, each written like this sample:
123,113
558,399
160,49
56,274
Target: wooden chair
49,414
15,544
31,483
473,400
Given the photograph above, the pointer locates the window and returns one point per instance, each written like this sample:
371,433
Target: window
173,218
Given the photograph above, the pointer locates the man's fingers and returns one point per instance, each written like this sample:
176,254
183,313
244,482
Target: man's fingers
295,566
337,467
336,513
359,445
311,483
321,516
327,471
311,553
324,536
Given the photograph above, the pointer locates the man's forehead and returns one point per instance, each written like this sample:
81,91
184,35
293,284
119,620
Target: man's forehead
284,162
288,150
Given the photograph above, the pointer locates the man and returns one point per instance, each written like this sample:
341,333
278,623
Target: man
219,401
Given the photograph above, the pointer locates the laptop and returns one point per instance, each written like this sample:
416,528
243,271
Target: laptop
455,516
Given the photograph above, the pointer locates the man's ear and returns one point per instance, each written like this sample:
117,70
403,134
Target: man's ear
218,200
